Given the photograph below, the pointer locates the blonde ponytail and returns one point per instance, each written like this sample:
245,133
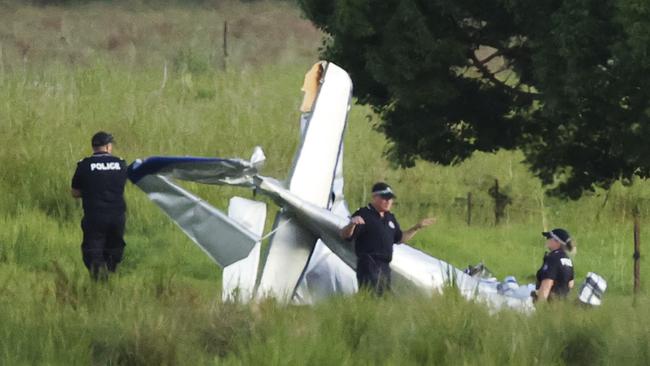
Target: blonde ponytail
571,248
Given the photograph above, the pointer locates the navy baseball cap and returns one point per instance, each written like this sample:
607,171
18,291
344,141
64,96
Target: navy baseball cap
383,190
102,138
561,235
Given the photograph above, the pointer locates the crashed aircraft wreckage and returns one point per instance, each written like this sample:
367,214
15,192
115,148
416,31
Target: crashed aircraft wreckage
306,259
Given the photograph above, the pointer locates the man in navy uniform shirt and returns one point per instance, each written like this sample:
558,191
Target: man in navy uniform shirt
99,181
375,230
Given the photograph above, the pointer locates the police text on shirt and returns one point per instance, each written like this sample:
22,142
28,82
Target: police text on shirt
105,166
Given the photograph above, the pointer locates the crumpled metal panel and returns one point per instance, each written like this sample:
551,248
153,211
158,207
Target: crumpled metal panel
425,272
220,237
322,222
433,275
326,274
236,172
238,280
289,251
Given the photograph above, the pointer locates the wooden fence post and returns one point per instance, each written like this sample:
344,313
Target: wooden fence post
469,208
497,213
637,251
225,45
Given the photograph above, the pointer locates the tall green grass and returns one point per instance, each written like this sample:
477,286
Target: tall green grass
164,305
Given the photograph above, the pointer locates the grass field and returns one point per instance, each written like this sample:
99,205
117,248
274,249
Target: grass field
155,78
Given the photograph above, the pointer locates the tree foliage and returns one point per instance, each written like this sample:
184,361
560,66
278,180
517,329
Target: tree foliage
565,81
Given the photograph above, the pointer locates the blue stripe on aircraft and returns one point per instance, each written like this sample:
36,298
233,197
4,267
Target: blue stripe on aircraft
138,169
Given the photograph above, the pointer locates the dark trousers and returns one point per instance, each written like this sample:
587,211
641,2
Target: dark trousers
103,242
373,274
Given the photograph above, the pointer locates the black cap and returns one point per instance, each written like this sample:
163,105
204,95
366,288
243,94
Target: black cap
561,235
102,138
383,190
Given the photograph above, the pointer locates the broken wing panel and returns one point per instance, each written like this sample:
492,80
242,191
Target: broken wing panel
316,160
326,275
201,170
414,268
289,251
219,236
238,282
310,180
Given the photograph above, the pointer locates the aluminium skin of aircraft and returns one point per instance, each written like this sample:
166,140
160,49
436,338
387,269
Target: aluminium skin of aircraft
306,260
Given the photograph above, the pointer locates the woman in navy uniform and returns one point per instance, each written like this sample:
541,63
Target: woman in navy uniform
99,181
555,277
375,229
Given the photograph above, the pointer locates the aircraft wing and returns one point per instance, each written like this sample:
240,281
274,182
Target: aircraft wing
237,172
315,163
198,219
311,179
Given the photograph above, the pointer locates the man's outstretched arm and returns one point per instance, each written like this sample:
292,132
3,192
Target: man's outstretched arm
410,233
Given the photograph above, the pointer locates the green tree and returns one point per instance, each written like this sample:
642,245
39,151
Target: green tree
564,81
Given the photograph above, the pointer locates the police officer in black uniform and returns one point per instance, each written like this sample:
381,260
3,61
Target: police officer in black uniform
375,229
99,181
555,277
